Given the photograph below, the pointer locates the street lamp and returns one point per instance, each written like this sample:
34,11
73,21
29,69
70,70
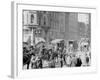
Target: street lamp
33,29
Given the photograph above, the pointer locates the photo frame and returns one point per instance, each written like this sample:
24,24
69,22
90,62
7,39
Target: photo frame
29,20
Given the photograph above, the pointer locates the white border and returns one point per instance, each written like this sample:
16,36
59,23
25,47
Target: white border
17,67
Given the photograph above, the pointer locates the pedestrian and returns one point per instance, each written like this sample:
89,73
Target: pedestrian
73,61
79,62
68,60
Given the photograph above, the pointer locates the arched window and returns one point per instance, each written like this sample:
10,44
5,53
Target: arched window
32,18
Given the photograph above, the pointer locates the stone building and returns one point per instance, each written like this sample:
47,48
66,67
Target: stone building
58,25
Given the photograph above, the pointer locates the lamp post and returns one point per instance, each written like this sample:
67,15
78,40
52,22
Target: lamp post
33,29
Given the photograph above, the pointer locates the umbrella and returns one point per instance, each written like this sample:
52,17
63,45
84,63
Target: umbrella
56,41
39,44
39,39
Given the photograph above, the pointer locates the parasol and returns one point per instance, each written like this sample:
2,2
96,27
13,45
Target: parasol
56,41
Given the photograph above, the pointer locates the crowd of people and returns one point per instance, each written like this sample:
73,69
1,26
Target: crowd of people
59,55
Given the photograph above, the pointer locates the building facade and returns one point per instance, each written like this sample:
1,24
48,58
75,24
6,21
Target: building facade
55,25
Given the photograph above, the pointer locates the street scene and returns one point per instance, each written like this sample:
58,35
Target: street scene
56,39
